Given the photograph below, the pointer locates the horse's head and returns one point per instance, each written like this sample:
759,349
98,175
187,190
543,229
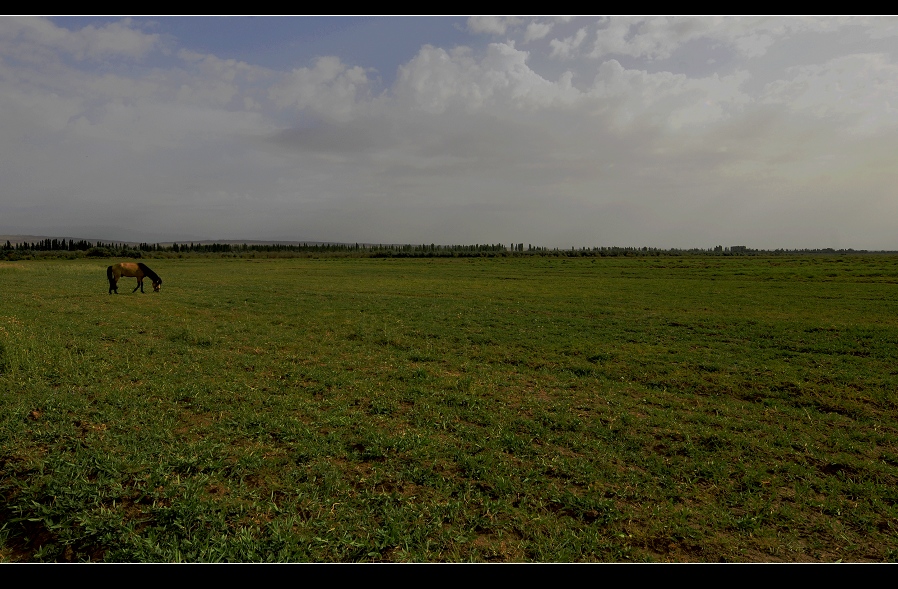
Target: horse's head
157,285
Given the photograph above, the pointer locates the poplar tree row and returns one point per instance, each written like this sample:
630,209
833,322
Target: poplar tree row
72,248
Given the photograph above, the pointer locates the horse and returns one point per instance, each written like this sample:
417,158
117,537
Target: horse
139,271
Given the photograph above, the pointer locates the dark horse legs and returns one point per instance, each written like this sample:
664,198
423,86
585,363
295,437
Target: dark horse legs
113,286
113,281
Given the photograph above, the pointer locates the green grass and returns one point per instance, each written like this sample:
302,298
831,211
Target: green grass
503,409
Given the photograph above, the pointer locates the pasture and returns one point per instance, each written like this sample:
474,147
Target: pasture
494,409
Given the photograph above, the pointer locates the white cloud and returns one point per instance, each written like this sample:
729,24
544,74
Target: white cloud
664,99
537,30
436,80
492,25
657,37
117,39
219,83
477,143
882,27
566,48
860,89
650,37
330,88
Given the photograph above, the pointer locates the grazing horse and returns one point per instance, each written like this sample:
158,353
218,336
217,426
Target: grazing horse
139,271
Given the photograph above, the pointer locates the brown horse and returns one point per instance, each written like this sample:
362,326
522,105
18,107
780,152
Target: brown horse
138,270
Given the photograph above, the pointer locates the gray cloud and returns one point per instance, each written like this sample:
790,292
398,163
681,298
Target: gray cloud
610,136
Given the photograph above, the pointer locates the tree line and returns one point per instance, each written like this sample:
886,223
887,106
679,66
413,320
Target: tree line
83,248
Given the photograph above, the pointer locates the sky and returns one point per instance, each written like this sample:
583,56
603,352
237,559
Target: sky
670,132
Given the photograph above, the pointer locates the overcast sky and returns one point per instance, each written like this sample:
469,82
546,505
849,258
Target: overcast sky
666,132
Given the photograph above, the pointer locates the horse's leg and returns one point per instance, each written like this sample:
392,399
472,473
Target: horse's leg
139,285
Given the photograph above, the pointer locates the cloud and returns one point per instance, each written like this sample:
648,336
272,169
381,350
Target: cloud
859,90
219,83
329,88
492,25
659,37
669,100
666,131
436,80
20,35
537,30
566,47
649,37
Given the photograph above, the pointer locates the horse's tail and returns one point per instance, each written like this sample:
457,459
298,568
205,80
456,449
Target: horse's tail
109,274
111,278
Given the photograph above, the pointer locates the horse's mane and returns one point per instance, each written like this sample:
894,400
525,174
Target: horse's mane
149,273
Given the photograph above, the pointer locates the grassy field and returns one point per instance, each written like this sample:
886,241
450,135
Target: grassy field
507,409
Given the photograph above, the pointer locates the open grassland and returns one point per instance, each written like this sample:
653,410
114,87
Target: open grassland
507,409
